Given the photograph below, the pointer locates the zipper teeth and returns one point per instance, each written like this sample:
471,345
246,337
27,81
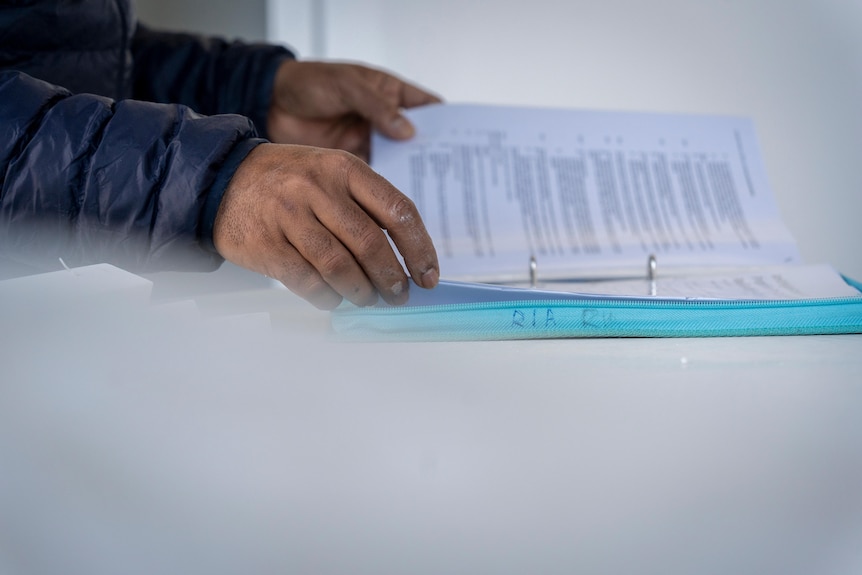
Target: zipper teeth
721,304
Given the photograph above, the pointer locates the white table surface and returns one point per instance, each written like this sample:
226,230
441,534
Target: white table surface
251,443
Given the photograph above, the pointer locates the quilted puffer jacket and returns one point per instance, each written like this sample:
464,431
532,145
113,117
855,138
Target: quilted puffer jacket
117,142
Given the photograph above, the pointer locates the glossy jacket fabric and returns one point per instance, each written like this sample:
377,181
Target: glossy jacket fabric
94,165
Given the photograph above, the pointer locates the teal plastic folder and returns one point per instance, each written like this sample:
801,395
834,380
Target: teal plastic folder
465,311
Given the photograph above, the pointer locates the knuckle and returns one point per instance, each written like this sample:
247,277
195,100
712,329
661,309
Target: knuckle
387,84
370,242
403,212
334,263
312,288
288,207
340,159
343,164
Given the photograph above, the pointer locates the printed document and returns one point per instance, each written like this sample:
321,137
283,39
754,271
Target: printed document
585,193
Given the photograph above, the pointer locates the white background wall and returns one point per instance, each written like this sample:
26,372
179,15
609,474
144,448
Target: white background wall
794,66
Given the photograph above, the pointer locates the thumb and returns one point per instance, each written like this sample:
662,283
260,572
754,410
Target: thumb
386,118
380,105
397,127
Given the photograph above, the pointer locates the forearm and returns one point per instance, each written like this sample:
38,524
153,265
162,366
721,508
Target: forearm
210,75
91,180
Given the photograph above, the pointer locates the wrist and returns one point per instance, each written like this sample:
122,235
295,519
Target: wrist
216,193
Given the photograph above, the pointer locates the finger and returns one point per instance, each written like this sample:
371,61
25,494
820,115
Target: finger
362,236
280,260
301,278
413,96
332,260
397,214
377,97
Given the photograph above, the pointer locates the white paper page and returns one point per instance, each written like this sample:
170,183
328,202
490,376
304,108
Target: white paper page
585,191
768,283
772,283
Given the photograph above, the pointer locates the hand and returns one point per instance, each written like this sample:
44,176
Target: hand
312,219
334,105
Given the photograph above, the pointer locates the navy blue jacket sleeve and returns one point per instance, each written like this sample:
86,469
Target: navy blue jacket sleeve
210,75
91,180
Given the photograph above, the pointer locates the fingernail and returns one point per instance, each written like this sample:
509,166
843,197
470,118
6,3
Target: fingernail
398,294
401,128
430,278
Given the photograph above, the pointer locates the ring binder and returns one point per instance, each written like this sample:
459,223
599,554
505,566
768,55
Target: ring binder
534,271
769,295
652,268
